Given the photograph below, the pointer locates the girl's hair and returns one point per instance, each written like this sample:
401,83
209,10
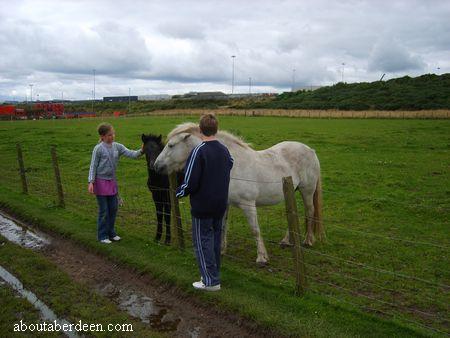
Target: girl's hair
104,128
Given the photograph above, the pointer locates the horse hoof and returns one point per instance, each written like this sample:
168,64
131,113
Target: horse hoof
261,264
306,245
284,245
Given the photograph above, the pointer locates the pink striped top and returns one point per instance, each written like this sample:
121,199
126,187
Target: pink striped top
105,187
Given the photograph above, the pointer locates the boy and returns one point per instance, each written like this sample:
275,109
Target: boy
207,177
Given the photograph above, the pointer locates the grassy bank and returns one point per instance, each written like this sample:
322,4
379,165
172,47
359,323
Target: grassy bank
384,183
66,298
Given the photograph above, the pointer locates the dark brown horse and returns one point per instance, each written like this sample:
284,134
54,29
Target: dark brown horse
158,184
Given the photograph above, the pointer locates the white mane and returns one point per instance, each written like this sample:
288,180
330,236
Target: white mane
192,128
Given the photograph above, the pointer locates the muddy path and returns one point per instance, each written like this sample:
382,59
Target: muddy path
163,307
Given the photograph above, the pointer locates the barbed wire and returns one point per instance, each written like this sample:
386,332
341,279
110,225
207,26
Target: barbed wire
339,300
353,291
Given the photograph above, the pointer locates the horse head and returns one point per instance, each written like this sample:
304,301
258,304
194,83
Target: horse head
174,155
153,146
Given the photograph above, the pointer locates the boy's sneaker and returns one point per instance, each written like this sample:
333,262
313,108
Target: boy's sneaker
105,241
116,239
201,286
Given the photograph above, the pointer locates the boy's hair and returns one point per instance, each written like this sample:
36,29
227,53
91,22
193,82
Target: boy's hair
104,128
209,124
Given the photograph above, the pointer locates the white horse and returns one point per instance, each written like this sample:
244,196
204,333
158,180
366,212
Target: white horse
256,177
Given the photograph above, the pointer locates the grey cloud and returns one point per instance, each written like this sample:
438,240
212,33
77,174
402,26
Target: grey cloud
182,30
186,44
391,56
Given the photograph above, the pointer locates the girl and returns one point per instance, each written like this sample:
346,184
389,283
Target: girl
102,180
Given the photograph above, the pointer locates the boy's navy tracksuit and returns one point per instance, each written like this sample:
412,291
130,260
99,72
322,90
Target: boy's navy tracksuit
207,178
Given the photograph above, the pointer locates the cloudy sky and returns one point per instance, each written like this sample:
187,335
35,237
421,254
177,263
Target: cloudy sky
173,47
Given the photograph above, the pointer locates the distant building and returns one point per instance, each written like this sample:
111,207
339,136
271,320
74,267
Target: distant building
154,97
202,96
119,98
244,95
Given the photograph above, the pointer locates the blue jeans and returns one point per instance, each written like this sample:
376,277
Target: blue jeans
107,211
207,240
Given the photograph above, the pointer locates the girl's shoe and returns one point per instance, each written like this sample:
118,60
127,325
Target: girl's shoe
116,239
105,241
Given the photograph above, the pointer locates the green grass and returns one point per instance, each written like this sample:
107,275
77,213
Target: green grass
383,180
66,298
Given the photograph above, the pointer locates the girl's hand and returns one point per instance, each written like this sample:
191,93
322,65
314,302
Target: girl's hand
91,188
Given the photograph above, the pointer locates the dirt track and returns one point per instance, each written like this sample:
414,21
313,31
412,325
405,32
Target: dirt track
164,308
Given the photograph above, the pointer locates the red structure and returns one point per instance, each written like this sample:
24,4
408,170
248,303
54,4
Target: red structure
7,110
118,113
49,109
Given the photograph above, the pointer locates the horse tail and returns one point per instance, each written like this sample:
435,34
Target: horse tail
319,229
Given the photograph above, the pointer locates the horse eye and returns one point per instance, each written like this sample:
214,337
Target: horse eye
170,145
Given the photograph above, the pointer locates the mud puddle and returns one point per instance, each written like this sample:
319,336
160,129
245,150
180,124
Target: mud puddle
22,236
46,313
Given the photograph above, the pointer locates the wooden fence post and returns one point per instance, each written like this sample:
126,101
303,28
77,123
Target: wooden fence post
294,235
175,219
59,187
22,169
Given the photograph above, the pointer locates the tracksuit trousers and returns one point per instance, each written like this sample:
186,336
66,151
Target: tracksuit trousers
207,239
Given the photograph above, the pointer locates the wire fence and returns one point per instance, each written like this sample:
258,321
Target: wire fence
377,276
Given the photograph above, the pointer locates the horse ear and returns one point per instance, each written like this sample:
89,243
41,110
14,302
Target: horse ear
144,138
186,136
159,138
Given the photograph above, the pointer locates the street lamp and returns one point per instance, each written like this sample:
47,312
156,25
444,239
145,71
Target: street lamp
129,100
250,85
31,92
293,79
343,68
232,74
93,92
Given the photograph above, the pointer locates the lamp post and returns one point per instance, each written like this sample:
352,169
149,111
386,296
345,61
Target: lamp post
293,80
232,73
93,91
31,92
250,85
343,68
129,100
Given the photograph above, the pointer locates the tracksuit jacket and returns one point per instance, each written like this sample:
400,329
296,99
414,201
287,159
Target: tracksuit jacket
207,178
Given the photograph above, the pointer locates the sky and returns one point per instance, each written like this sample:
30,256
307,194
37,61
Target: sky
173,47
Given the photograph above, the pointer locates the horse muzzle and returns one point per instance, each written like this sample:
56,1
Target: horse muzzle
160,168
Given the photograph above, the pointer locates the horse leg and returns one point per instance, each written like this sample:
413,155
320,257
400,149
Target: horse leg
252,218
223,247
159,215
167,219
309,218
285,242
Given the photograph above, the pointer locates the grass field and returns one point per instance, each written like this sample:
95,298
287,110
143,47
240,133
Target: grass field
382,271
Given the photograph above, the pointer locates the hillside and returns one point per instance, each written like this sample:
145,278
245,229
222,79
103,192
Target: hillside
424,92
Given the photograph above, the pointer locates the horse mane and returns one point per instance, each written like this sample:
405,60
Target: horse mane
153,137
192,128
